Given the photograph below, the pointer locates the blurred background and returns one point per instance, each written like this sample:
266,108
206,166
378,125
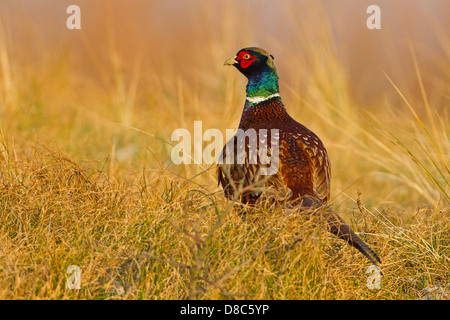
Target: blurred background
113,92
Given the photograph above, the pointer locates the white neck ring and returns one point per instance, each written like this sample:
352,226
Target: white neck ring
260,99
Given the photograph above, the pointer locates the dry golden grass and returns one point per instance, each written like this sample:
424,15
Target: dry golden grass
86,177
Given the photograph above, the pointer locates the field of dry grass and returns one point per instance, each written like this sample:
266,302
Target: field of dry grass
86,176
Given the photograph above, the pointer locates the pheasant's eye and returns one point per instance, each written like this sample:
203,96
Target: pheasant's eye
245,59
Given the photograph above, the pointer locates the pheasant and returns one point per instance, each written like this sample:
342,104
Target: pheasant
298,159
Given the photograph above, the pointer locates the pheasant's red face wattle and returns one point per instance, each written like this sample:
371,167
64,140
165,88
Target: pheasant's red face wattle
245,59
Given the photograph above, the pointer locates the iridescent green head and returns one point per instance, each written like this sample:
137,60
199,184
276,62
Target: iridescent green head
257,65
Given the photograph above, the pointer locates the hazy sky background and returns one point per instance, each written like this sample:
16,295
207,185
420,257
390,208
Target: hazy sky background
177,31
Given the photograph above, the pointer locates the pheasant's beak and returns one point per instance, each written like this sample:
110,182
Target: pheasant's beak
231,62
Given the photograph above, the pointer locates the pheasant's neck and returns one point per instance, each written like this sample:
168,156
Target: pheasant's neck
263,103
262,87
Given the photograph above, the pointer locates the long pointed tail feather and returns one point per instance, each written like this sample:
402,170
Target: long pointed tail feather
339,228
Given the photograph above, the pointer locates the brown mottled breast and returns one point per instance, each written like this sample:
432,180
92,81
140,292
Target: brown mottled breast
302,166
